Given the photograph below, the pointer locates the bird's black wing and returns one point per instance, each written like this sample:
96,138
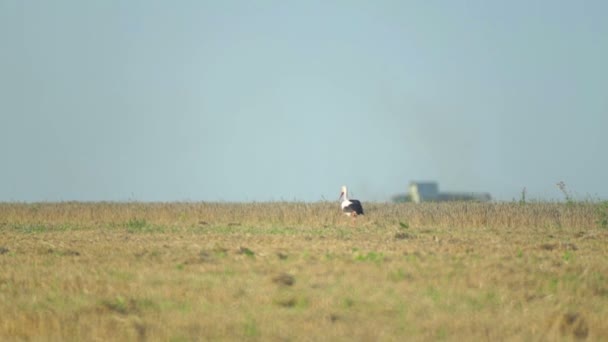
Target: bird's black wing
356,206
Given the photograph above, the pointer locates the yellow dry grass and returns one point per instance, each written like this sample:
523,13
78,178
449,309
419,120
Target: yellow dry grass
299,271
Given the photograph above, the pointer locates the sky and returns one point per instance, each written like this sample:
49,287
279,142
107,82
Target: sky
284,100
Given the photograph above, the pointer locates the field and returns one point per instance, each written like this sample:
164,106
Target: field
303,271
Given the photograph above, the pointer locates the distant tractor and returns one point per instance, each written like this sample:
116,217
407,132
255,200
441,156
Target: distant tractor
424,191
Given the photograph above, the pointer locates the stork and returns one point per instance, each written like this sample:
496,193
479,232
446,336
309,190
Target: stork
350,207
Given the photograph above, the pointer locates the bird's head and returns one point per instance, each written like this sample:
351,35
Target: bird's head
343,193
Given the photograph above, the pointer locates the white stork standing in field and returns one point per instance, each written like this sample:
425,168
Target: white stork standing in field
350,207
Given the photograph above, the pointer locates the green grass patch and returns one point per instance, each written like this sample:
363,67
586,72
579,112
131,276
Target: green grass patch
29,228
370,257
125,306
250,328
398,275
142,226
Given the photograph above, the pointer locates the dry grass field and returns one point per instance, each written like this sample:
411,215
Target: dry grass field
298,271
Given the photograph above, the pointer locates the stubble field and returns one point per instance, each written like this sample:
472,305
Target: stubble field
303,271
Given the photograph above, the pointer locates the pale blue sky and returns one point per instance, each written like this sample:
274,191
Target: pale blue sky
289,100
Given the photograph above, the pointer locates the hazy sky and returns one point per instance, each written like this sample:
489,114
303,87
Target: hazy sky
289,100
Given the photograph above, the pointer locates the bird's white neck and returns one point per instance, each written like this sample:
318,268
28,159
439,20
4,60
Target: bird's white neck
345,195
